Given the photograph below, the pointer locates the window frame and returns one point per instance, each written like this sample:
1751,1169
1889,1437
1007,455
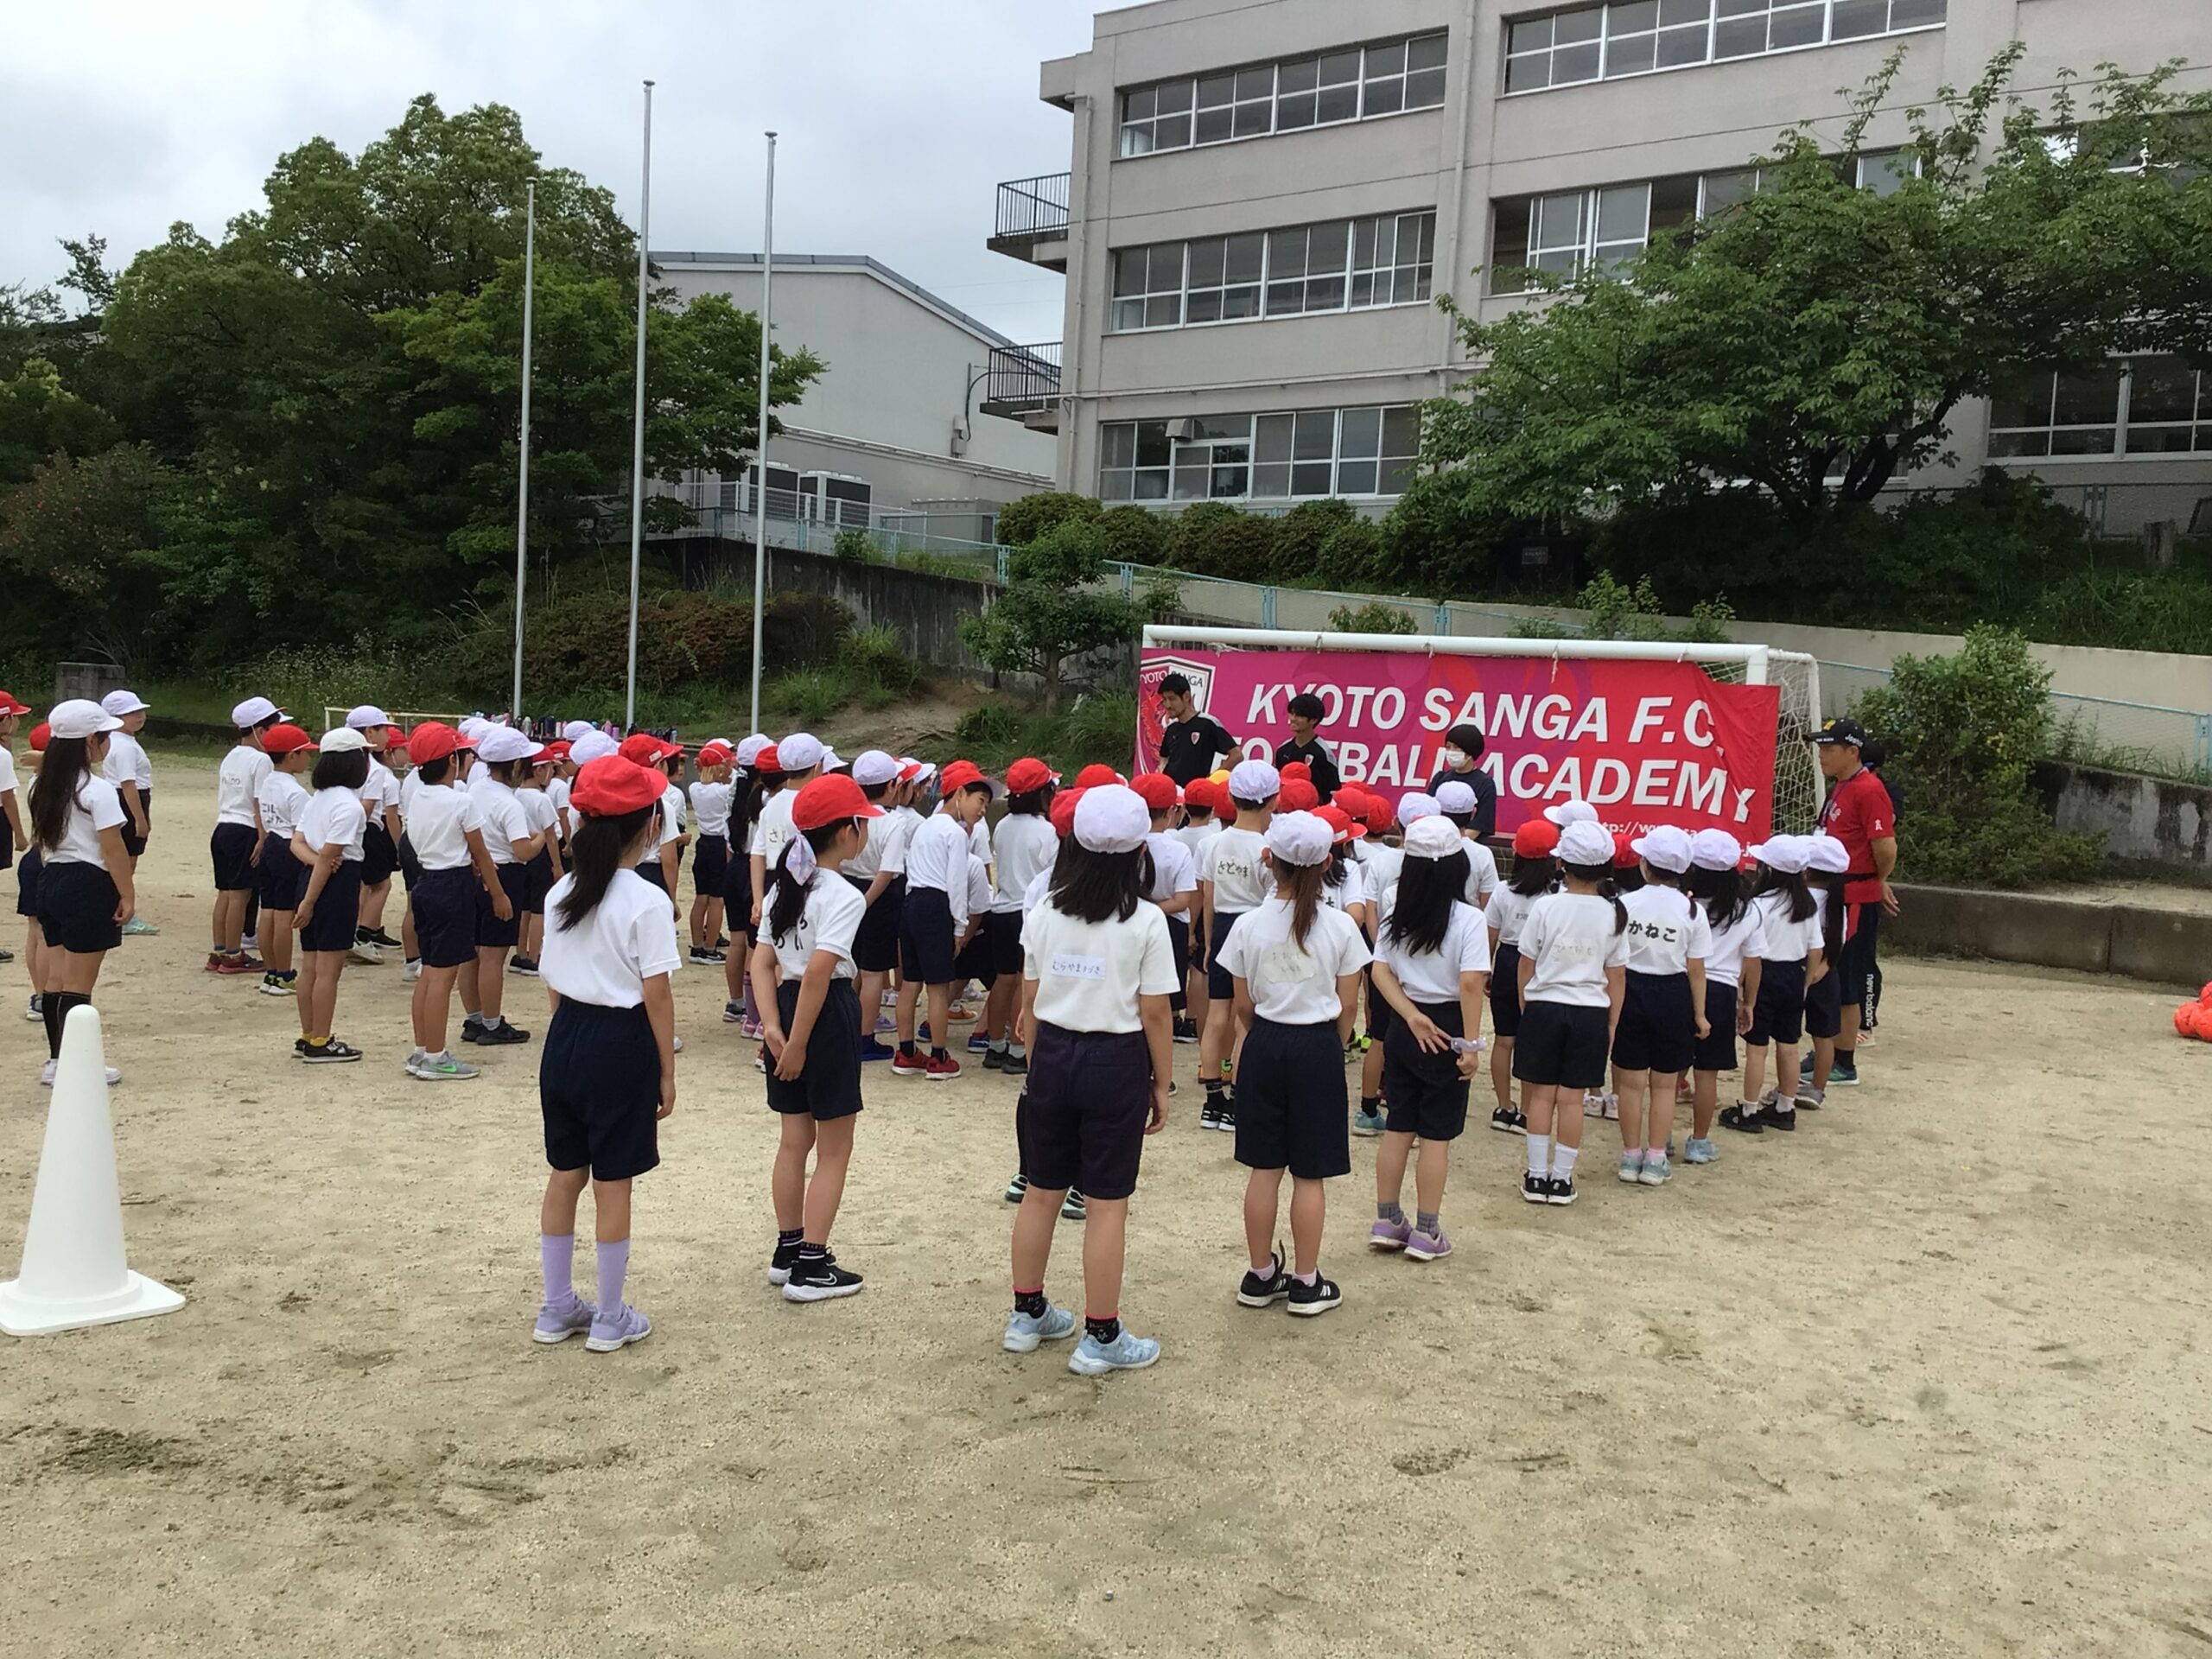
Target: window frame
2123,424
1658,30
1417,223
1297,436
1187,89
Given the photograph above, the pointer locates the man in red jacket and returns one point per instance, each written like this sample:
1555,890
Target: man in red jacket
1858,814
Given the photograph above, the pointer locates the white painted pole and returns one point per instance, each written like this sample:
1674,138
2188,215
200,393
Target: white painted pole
522,488
638,437
761,443
1454,644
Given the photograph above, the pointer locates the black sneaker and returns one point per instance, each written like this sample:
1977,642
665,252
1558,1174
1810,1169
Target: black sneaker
781,1263
502,1035
1745,1119
1225,1120
1535,1189
994,1060
1265,1289
819,1281
333,1052
377,935
1506,1121
722,943
1013,1064
1774,1117
1307,1300
1559,1190
471,1028
1209,1115
299,1045
1186,1031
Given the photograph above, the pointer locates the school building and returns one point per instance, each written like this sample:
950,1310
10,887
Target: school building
1264,200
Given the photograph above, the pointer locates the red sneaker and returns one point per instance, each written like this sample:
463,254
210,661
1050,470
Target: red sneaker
904,1065
941,1068
236,965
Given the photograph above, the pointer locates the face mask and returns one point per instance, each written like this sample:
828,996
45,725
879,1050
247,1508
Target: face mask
1455,759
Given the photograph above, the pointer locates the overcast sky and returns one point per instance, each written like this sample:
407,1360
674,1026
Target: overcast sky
898,117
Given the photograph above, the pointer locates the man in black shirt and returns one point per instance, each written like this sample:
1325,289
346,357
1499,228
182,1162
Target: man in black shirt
1306,712
1463,747
1191,741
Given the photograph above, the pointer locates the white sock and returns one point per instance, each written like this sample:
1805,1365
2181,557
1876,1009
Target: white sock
1540,1155
493,1021
419,1056
1563,1160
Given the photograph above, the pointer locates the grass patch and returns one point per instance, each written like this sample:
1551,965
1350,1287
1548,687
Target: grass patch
1102,727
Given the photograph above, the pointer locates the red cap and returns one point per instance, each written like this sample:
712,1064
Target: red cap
1625,857
285,739
1297,796
767,760
1352,799
1296,769
717,753
645,750
41,734
1092,777
1157,790
1026,774
1342,826
830,799
432,741
1536,838
1200,792
1063,812
10,706
611,786
959,775
557,750
1379,815
908,770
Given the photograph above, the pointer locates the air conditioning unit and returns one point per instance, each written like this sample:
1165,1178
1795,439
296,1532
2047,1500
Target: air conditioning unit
959,440
1183,431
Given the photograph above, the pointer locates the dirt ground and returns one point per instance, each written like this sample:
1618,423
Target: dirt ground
1928,1378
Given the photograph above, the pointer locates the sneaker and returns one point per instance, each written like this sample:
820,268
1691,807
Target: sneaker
1843,1076
940,1068
559,1324
1695,1150
1812,1099
46,1074
1804,1066
922,1032
752,1030
524,967
1264,1289
1656,1172
1774,1117
994,1058
871,1050
1013,1064
299,1046
1072,1207
617,1330
722,943
820,1282
367,952
1742,1117
959,1014
378,937
139,928
701,953
1507,1121
410,971
1631,1167
1592,1105
6,955
1612,1107
251,943
1209,1115
235,965
214,963
1535,1189
443,1068
675,1044
1561,1190
886,1026
276,985
1225,1120
1016,1189
1388,1235
333,1052
505,1034
1307,1300
1023,1333
1186,1031
733,1014
1366,1123
978,1043
1125,1353
780,1263
34,1010
1428,1247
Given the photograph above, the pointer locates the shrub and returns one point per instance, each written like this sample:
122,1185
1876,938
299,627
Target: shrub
309,678
1438,540
855,546
1211,538
1963,732
1374,617
1351,555
1022,522
880,658
1052,610
1134,535
1301,533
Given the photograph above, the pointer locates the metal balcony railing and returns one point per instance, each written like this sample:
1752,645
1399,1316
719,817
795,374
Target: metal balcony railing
1022,377
1033,210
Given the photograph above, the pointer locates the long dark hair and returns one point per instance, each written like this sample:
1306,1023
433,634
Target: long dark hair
1304,883
1533,876
1094,886
340,769
595,858
1791,884
786,892
1332,873
1427,888
1608,886
53,791
1726,894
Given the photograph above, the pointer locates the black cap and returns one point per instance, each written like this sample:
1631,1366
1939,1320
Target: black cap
1841,731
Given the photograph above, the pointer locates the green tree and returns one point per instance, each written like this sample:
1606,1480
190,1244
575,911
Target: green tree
1023,521
39,417
79,559
1051,609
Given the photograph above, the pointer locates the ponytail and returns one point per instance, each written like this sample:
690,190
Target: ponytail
55,790
1303,884
787,892
1609,888
595,858
1726,894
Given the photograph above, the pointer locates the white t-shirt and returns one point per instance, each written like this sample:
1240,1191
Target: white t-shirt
897,839
236,781
979,890
1231,861
382,789
772,831
1380,866
538,807
829,919
629,938
1174,869
477,771
1089,975
876,833
98,806
1433,975
1034,894
126,762
1742,940
1570,938
675,809
1787,941
1482,872
1507,913
979,839
1196,835
1023,845
1350,892
282,798
710,803
557,790
438,826
409,787
7,769
505,820
1666,931
333,816
1291,986
937,857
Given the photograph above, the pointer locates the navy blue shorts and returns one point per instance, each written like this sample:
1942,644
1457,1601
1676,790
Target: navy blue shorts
1080,1119
710,866
926,937
598,1087
829,1086
490,933
1505,991
651,871
76,908
1425,1095
229,848
1716,1052
1221,984
1779,1016
281,880
337,908
133,843
536,882
445,916
1291,1101
26,883
875,943
1824,1004
974,960
1002,928
1179,944
1658,1027
379,856
737,886
411,868
1561,1045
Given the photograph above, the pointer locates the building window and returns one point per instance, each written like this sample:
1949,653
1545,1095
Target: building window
1567,233
1358,83
1345,265
1637,37
2151,405
1293,456
1885,171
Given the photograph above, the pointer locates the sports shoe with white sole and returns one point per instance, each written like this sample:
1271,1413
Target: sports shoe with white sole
1024,1333
1125,1353
820,1282
559,1324
617,1330
46,1074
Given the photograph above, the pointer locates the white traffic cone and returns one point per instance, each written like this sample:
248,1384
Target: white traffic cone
73,1274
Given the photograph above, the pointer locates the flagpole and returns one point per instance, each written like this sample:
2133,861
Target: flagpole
761,443
522,491
638,437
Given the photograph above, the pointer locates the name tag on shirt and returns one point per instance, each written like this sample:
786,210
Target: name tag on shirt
1078,966
1285,962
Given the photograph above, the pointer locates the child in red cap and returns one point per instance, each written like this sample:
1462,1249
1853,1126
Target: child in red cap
936,913
1535,873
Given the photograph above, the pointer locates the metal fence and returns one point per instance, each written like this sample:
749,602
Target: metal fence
1033,207
1023,375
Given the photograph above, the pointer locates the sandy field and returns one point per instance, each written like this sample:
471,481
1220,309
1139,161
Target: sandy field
1929,1378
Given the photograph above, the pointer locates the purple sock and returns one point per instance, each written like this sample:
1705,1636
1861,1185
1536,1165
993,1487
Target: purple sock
613,1263
1308,1279
557,1254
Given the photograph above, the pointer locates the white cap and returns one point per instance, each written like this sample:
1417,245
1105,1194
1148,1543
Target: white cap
504,743
253,712
800,751
82,717
1715,850
1455,797
873,767
344,740
1826,855
1298,838
1666,848
120,703
576,731
1112,818
1254,780
1433,837
366,715
592,745
1415,805
472,726
831,760
1783,853
748,749
1585,843
1568,812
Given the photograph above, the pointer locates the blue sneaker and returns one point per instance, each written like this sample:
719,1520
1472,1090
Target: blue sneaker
559,1324
1631,1167
1656,1172
1844,1076
872,1050
1367,1123
978,1043
1125,1353
1700,1152
1024,1333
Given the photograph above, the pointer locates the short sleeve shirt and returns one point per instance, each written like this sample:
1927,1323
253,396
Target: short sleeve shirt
1089,975
1291,984
1187,748
333,816
98,807
828,921
605,959
1431,976
1858,814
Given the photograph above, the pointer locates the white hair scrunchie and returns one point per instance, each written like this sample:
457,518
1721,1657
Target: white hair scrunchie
799,859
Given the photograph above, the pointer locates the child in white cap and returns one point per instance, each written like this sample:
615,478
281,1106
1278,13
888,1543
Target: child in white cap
1574,968
131,772
1791,918
1663,1016
1733,963
235,846
1232,879
878,871
380,842
1826,861
85,888
1456,801
327,840
508,758
1296,963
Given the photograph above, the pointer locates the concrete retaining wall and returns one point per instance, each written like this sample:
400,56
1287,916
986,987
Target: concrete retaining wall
2143,820
2164,947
